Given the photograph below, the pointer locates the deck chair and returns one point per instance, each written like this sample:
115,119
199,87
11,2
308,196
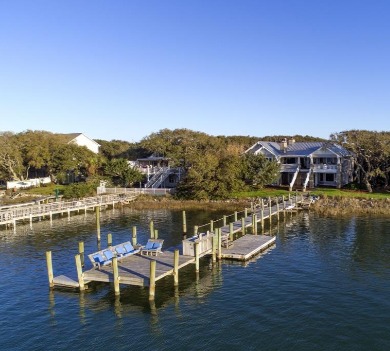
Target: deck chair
99,259
152,247
125,249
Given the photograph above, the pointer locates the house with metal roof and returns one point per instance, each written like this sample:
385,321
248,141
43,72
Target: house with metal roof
308,164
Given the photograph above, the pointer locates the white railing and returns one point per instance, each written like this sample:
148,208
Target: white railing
324,167
294,178
137,191
307,180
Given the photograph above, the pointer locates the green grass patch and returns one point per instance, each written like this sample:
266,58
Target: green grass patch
46,190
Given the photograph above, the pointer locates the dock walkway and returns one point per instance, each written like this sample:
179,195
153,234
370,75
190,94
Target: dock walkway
12,214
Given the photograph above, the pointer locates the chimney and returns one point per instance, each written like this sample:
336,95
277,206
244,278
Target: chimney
283,145
291,141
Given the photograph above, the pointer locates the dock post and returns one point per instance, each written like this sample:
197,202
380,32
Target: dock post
51,217
231,232
97,209
224,220
245,212
151,226
50,274
243,225
214,245
284,204
277,207
134,236
152,279
184,223
85,210
81,252
262,219
262,204
196,246
155,234
235,216
79,272
211,225
219,244
255,223
116,275
109,239
196,230
176,267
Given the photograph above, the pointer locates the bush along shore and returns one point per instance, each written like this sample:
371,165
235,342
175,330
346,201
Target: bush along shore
342,206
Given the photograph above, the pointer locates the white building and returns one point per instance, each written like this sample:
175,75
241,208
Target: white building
82,140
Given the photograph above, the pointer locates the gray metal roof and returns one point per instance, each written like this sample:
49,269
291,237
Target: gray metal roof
298,148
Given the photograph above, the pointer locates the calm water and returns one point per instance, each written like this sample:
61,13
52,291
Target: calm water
324,286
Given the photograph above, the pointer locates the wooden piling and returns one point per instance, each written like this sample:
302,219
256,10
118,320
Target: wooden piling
184,223
255,224
116,275
151,226
245,212
49,264
79,272
214,243
176,267
81,252
152,279
231,232
211,225
224,220
196,247
109,239
235,216
262,220
134,236
98,222
243,226
219,243
196,228
155,234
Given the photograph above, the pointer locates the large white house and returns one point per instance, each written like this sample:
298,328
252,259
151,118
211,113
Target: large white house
82,140
308,164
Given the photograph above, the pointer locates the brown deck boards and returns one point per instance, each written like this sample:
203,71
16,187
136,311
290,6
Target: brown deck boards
248,246
135,269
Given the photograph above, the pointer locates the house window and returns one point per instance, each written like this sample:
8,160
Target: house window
329,177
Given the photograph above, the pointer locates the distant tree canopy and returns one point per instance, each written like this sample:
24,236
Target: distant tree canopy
372,155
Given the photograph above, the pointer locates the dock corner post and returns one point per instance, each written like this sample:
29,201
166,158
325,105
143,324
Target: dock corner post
243,225
152,280
81,252
196,247
255,223
134,236
116,275
219,233
156,234
214,246
176,267
98,222
79,272
50,274
151,226
211,225
231,232
109,239
184,223
196,228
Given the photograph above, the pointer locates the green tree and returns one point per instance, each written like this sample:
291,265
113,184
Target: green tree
258,171
122,173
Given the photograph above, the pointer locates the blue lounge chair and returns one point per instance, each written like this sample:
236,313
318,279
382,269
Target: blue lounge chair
152,247
99,259
125,249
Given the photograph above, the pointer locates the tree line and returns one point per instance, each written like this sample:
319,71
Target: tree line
214,166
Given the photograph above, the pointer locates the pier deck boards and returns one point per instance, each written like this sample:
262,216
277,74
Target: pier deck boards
135,269
248,246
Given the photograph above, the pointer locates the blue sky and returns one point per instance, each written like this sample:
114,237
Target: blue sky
125,69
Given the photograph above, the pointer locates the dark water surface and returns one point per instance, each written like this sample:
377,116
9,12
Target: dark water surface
325,285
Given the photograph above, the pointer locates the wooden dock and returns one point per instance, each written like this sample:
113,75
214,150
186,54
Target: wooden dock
12,214
248,246
230,241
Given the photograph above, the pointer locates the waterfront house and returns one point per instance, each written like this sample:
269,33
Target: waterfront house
308,164
81,139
